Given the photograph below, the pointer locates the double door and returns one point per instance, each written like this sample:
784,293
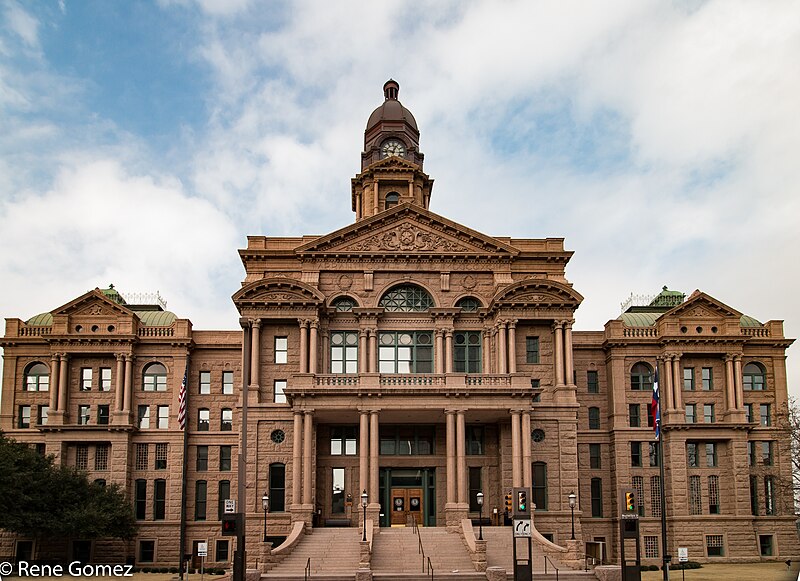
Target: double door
406,506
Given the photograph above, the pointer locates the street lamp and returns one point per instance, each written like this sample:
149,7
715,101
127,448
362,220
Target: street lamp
480,518
265,506
572,497
364,498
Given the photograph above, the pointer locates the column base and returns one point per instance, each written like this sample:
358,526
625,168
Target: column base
303,513
55,418
121,418
735,416
565,394
454,513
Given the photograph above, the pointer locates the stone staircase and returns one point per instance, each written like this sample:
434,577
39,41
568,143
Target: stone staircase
334,556
395,555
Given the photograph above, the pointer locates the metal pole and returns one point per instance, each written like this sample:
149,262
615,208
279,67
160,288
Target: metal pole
265,524
480,522
572,510
364,536
664,544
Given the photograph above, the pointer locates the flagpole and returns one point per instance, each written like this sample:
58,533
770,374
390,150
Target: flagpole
182,424
661,460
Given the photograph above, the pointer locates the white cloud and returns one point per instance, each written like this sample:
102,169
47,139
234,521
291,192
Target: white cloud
25,26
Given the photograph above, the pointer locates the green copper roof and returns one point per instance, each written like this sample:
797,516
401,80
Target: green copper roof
40,320
112,294
667,298
639,319
156,318
748,321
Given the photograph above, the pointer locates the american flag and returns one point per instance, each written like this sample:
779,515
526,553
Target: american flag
182,400
655,407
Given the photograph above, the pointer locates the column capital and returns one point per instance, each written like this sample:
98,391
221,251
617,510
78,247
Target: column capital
512,323
309,412
568,323
728,357
255,323
302,322
363,332
515,412
449,412
737,357
325,332
314,323
54,357
439,332
558,324
119,356
448,332
63,356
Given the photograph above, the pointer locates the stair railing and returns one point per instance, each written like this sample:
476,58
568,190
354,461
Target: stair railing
430,568
553,565
421,549
307,571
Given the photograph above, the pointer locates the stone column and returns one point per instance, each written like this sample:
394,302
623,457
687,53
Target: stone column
669,403
303,345
308,440
374,443
313,345
326,350
373,350
363,356
461,459
569,367
512,346
375,198
119,382
439,350
297,460
54,380
255,354
451,456
448,350
128,403
730,401
501,347
525,436
558,342
487,351
363,453
738,386
677,382
516,452
63,383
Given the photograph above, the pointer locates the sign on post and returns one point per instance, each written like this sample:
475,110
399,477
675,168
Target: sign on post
202,549
230,506
522,528
683,554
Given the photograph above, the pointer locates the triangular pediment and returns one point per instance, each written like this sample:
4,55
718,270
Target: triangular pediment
702,306
407,229
392,163
93,304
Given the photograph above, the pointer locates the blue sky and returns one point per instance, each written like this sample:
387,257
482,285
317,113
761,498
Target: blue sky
141,142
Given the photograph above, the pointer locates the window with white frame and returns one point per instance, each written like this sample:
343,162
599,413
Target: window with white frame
86,379
650,547
143,414
163,417
227,382
279,388
205,383
155,377
105,379
344,352
281,350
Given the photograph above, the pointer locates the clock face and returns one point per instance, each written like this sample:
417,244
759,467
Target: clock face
392,147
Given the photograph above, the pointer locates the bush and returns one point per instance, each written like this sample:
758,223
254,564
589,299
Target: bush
173,570
686,565
146,569
650,567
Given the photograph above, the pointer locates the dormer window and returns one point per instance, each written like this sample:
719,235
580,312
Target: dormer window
392,199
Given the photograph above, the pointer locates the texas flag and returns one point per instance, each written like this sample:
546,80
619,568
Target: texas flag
655,407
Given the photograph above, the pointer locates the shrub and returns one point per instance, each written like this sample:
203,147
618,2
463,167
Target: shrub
686,565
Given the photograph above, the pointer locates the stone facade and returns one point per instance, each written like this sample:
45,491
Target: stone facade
417,360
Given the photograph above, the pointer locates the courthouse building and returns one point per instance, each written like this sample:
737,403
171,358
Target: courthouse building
421,361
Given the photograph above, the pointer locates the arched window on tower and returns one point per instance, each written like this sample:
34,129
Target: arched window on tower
344,304
37,377
155,377
755,377
392,199
641,377
468,304
406,298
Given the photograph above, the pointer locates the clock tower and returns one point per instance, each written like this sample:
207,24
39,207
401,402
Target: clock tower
391,163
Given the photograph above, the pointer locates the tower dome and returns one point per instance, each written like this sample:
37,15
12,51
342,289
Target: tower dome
391,110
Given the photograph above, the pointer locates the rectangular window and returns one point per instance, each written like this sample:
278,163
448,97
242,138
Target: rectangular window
531,349
24,420
539,488
636,454
226,420
279,388
769,496
159,499
655,495
163,417
597,497
711,455
637,483
83,415
405,352
337,497
101,457
594,418
765,545
222,551
41,416
766,453
594,456
691,413
592,382
714,546
766,417
102,415
203,420
144,417
650,547
467,352
227,382
141,456
650,415
707,378
140,500
406,440
86,379
224,494
343,440
633,415
474,487
748,410
713,495
688,378
708,413
344,352
751,453
82,456
695,499
691,455
205,383
653,452
281,350
200,493
161,456
754,495
225,458
475,437
105,379
202,459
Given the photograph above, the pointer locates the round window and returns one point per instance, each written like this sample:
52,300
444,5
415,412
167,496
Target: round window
537,435
278,436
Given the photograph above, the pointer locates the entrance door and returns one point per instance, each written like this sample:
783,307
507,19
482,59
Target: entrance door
82,551
24,551
406,504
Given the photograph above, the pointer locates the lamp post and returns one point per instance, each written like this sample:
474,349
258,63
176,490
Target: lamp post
364,498
479,497
572,497
265,506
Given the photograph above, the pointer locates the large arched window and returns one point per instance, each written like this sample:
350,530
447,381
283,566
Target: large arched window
277,487
539,470
344,304
392,199
155,377
468,304
37,377
641,377
406,298
755,377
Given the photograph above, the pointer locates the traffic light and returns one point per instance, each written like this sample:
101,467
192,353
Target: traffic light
630,503
522,501
231,523
509,506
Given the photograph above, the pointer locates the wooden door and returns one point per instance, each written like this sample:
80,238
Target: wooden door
406,504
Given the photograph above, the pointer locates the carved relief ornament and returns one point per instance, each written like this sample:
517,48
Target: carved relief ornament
407,238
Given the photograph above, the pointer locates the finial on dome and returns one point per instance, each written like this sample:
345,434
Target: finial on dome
390,90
